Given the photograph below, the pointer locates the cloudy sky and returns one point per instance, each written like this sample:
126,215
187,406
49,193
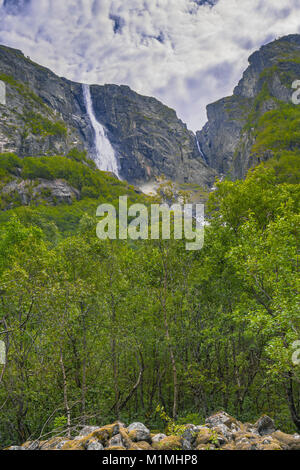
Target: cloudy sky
187,53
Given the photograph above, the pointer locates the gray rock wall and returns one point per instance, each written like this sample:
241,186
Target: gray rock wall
148,137
227,138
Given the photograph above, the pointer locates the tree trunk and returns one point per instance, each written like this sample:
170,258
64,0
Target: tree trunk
290,396
65,388
83,385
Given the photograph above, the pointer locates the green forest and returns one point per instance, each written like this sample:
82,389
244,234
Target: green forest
99,330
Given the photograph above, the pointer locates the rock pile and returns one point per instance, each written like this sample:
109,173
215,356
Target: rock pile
220,431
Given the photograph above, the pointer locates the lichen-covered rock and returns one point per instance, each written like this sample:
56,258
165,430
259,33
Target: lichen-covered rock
55,443
105,433
101,435
288,442
229,446
127,442
220,432
224,431
169,443
74,444
221,418
265,425
86,430
204,436
246,443
116,441
143,445
58,446
257,444
93,444
190,433
158,437
138,432
186,444
31,445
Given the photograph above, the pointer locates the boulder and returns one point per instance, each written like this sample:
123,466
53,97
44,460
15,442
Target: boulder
55,443
187,445
116,441
93,444
222,418
31,445
158,437
265,425
250,441
169,443
59,446
127,442
101,435
138,432
143,445
221,431
88,430
287,441
105,433
224,431
190,433
204,436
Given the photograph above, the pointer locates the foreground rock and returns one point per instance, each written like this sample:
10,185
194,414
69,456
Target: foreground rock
220,431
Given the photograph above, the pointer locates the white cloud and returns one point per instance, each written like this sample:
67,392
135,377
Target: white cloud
184,54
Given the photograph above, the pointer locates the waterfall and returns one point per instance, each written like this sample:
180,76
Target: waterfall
199,148
104,157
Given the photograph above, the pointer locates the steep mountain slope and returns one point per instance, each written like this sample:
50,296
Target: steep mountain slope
55,192
41,112
46,115
263,96
148,136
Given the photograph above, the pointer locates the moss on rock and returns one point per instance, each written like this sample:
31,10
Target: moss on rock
169,443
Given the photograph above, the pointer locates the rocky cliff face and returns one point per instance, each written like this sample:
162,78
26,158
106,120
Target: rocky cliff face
148,136
42,114
227,138
46,115
39,191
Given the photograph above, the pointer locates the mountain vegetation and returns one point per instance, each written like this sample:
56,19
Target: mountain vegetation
101,330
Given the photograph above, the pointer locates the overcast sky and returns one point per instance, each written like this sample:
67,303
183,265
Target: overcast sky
187,53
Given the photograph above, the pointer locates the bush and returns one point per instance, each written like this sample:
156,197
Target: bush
9,162
41,125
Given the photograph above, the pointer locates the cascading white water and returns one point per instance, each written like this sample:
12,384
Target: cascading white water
199,148
105,157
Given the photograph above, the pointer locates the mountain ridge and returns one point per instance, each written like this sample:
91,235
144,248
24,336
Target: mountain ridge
148,137
46,115
228,138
